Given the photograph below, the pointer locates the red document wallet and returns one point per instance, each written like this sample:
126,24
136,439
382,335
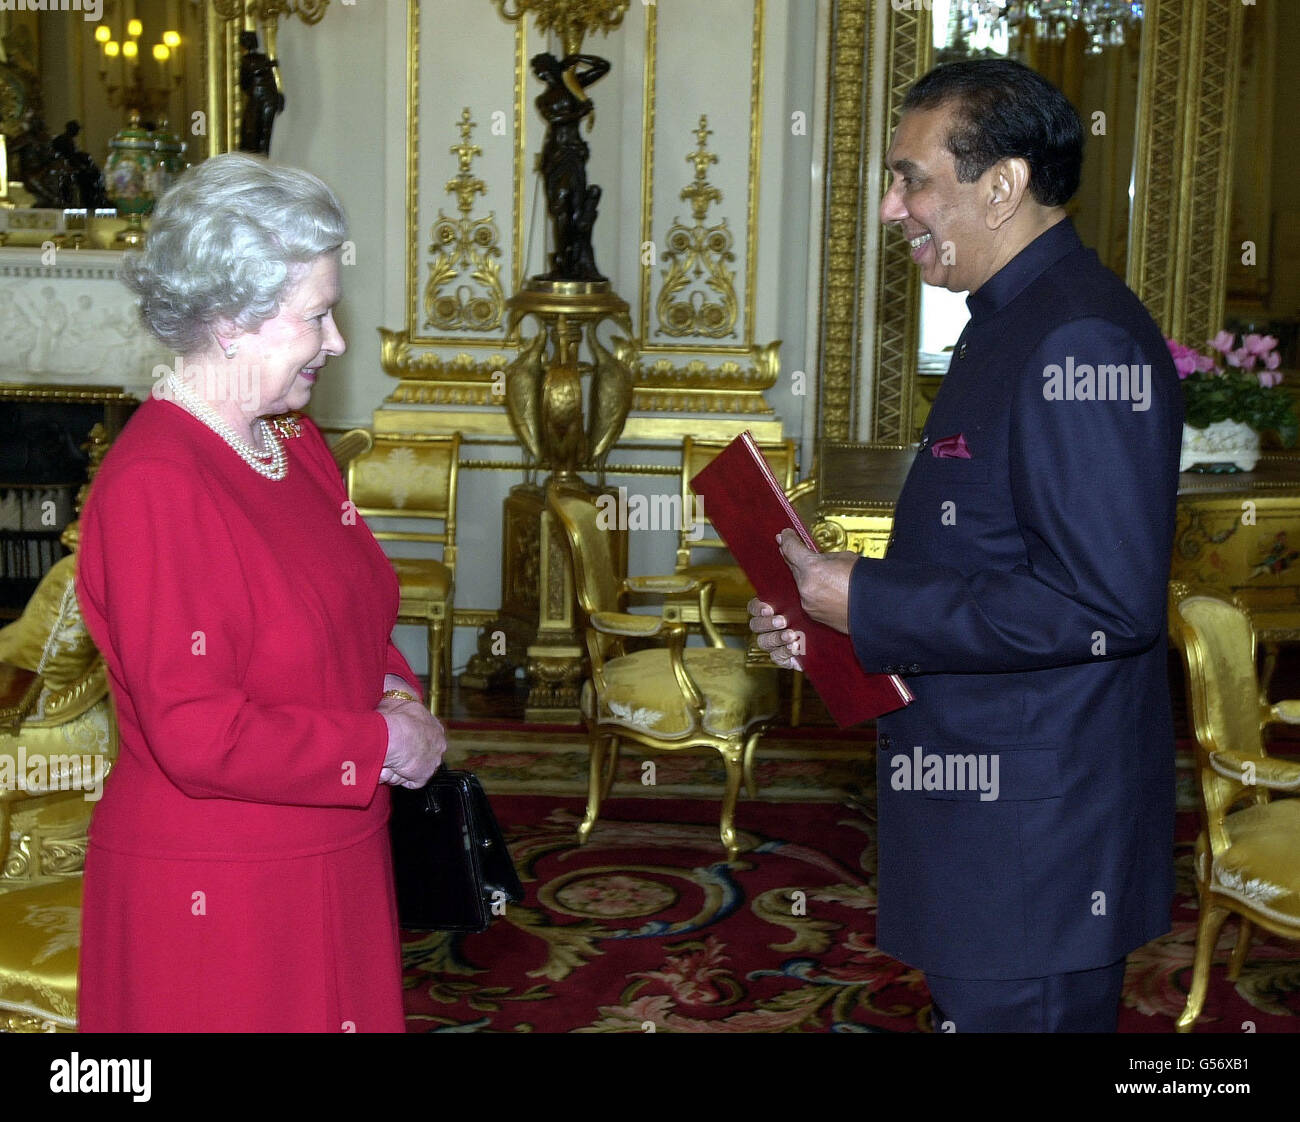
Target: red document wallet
749,510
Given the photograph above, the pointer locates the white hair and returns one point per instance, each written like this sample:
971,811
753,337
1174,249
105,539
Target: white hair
226,243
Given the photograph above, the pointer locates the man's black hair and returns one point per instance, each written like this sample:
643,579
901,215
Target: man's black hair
1004,109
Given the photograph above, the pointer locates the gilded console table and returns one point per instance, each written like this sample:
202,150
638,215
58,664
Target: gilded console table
1239,533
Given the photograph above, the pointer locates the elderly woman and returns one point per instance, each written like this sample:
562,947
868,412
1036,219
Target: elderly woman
238,876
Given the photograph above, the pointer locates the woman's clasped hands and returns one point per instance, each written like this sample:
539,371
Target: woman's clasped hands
416,743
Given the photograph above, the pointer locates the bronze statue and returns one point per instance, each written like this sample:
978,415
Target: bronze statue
571,201
45,175
262,96
86,178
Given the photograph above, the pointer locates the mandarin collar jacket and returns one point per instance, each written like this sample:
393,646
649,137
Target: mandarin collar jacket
1026,795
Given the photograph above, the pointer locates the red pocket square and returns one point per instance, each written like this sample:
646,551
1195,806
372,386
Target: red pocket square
950,448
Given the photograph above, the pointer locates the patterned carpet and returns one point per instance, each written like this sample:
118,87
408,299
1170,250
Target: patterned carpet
646,928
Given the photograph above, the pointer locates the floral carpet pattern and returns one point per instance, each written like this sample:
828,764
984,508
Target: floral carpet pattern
647,928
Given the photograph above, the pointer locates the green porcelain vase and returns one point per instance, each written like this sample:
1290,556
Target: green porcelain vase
131,177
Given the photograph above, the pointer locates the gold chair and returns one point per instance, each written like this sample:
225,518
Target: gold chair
353,443
415,478
1248,851
58,741
58,734
669,699
732,592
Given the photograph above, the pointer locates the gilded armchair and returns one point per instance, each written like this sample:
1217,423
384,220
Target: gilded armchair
1248,850
58,741
666,698
701,554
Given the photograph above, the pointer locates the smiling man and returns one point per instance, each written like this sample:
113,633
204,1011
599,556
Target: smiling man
1023,592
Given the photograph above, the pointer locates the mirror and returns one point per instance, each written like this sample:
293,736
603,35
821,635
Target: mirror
159,55
1178,241
1097,69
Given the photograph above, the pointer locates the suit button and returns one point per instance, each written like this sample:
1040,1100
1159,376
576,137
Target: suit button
892,538
884,743
925,442
889,670
914,668
961,351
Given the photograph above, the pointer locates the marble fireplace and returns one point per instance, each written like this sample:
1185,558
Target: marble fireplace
72,355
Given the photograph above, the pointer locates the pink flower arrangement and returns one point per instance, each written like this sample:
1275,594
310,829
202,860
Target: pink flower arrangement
1236,382
1254,351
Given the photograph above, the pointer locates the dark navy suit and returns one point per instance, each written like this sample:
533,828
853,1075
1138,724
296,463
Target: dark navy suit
1023,600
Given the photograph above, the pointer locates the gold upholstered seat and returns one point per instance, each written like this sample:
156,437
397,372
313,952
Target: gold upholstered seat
1248,851
40,937
666,699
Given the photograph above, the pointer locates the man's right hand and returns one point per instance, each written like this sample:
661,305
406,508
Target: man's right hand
416,743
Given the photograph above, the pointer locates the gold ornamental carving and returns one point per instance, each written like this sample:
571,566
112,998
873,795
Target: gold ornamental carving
269,11
428,378
543,385
572,20
699,253
662,386
463,248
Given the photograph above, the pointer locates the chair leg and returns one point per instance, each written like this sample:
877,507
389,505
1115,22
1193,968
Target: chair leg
732,757
1239,952
595,783
751,744
1207,935
435,666
611,768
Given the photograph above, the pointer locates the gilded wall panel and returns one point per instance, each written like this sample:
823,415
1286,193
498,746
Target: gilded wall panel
466,174
681,85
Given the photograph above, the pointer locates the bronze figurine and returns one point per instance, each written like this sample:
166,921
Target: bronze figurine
571,201
262,96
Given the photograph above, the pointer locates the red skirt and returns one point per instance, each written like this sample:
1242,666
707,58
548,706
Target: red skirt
299,944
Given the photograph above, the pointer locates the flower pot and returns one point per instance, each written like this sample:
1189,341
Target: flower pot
1224,445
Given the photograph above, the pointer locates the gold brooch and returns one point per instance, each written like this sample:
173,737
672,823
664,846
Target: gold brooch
286,425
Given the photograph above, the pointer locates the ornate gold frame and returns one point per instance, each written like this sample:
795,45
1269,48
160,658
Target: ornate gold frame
1178,231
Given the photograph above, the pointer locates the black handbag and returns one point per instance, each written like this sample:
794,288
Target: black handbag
450,861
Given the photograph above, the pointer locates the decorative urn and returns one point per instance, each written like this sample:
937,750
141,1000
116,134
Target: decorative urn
131,178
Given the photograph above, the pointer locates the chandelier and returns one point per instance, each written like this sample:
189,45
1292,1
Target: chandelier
979,24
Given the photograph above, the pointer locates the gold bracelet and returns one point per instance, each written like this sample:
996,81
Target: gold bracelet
401,695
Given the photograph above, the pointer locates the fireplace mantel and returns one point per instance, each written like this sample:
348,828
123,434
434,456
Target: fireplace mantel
69,330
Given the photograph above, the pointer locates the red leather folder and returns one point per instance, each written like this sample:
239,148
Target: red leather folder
749,510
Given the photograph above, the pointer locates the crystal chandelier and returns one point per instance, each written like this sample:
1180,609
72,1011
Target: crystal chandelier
981,23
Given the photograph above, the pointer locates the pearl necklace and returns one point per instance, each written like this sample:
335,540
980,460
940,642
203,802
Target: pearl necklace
272,463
